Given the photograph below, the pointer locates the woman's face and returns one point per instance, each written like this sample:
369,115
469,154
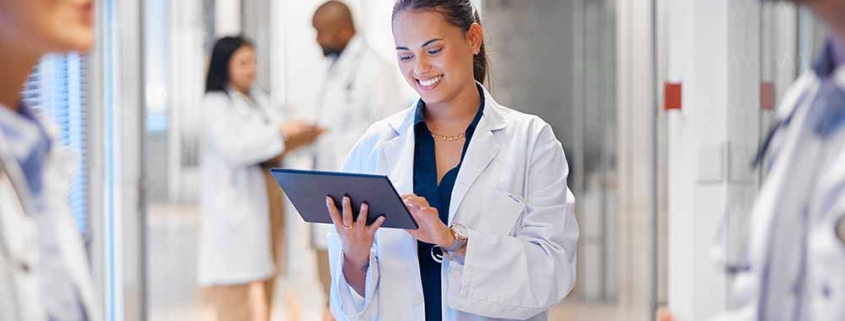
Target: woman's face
242,69
435,57
43,26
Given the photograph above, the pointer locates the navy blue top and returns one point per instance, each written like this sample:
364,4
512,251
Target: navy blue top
438,196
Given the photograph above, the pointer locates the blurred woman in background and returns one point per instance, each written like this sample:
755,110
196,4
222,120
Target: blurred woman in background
242,132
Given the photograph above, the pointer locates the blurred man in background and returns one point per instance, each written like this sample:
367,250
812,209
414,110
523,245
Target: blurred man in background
359,88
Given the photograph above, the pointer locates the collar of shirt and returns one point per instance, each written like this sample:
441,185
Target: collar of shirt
830,98
419,112
838,51
29,143
351,54
829,60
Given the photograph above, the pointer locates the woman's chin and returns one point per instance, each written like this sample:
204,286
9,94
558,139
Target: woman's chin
74,39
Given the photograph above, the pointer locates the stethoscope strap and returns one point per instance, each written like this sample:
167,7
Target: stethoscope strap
781,124
764,148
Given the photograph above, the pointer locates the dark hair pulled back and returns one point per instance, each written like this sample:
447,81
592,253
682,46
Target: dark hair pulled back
218,66
459,13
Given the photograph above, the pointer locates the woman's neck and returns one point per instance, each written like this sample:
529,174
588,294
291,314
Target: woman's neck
17,65
243,91
455,115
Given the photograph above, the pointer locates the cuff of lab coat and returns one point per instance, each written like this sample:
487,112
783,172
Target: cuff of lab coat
351,304
357,299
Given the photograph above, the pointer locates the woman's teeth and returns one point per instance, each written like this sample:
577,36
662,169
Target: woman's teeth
430,82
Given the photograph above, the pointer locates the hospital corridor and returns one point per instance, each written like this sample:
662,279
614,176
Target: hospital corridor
413,160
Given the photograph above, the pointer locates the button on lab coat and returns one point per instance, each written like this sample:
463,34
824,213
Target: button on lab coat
512,196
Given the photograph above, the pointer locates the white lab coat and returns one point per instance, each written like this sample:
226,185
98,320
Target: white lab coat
20,295
512,196
359,89
234,233
793,224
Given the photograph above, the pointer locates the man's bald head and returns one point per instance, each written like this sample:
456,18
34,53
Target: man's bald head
334,25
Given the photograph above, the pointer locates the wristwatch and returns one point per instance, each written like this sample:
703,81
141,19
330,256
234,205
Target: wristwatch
461,236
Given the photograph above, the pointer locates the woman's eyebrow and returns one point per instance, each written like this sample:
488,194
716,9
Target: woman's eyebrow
423,45
430,42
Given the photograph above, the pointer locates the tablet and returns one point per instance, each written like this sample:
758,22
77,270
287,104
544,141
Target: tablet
307,190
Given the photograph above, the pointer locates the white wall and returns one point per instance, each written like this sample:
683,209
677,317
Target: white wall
713,48
227,17
635,139
187,83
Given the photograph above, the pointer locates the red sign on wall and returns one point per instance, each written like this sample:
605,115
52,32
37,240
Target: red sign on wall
767,95
672,96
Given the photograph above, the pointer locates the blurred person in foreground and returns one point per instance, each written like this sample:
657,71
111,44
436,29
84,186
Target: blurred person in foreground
44,272
796,249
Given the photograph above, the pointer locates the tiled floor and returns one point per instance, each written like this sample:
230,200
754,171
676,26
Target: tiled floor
174,295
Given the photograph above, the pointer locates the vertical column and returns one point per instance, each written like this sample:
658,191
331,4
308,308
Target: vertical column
128,117
636,121
713,49
697,137
227,17
116,141
256,26
743,128
186,85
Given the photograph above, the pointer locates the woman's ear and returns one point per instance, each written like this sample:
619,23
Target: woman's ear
475,37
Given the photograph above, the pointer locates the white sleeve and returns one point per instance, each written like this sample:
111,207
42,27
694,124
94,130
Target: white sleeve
357,299
535,268
242,144
345,304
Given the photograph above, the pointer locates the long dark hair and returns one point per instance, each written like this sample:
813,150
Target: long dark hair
459,13
218,67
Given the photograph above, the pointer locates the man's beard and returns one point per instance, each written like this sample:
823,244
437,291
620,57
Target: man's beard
332,52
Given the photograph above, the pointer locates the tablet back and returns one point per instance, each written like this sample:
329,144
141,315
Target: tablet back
307,190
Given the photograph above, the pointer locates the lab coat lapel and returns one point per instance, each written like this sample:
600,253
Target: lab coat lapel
399,153
482,149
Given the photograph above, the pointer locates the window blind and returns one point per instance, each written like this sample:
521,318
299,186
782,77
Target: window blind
56,88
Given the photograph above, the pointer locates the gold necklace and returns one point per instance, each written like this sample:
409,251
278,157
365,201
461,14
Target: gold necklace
448,138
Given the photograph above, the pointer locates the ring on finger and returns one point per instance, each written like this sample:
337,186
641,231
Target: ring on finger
346,227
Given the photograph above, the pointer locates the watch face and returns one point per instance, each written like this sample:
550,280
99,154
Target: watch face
460,232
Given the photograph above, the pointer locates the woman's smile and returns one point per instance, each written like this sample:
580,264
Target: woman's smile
428,83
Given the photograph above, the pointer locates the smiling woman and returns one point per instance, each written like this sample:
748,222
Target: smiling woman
486,184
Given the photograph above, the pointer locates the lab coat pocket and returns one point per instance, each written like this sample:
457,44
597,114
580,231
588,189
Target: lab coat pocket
501,213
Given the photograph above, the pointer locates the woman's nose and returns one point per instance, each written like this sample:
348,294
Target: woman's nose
421,66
